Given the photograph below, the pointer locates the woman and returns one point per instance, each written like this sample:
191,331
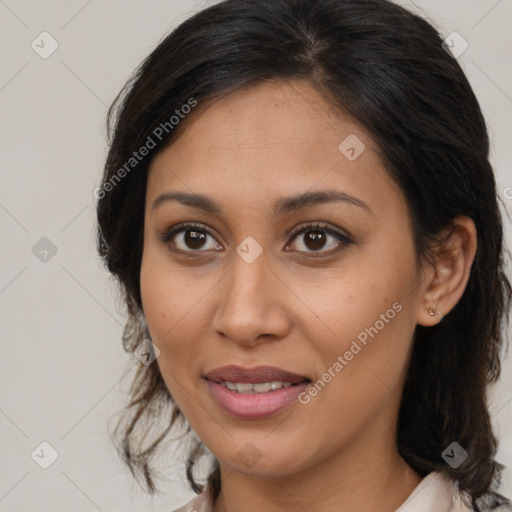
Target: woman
299,207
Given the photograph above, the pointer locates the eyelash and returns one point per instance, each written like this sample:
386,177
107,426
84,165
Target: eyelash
167,234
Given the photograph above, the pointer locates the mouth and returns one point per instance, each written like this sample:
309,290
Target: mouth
254,393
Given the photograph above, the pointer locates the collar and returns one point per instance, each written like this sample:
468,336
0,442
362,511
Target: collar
435,493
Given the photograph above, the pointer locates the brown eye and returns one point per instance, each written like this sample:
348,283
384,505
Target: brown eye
319,238
315,240
194,239
190,238
311,239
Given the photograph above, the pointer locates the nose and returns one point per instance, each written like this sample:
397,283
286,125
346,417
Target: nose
252,304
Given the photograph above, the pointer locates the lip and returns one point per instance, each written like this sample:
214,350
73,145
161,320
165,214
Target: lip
254,375
254,406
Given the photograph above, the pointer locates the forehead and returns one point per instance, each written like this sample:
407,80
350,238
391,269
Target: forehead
270,140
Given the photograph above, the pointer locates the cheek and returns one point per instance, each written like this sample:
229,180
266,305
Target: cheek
359,295
171,306
170,318
365,315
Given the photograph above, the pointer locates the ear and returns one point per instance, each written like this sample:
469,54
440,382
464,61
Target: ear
446,277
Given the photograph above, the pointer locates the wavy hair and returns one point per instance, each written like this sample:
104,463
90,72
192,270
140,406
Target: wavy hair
387,68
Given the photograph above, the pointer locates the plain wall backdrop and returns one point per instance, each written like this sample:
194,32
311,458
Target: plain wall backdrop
62,361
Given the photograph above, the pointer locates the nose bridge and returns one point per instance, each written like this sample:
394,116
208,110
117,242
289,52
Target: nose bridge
249,305
246,280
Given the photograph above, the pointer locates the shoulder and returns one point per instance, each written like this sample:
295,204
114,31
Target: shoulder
435,493
201,503
459,505
487,503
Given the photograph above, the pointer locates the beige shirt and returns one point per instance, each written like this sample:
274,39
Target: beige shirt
435,493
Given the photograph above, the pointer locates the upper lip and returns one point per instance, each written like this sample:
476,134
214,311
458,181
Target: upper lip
254,375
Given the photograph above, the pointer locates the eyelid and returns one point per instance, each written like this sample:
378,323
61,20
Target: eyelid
345,238
320,225
167,233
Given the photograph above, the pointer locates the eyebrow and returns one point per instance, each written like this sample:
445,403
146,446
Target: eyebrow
281,206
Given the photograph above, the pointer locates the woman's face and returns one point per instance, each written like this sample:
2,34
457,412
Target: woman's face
335,304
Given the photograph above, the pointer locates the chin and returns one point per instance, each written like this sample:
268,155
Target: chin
250,460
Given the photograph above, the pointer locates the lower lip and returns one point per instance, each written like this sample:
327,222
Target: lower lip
256,405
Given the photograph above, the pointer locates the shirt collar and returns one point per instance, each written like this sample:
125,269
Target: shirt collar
434,492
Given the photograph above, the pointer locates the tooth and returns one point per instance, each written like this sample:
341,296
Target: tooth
262,387
242,387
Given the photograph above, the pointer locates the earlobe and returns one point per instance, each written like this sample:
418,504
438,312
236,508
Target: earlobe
435,312
451,268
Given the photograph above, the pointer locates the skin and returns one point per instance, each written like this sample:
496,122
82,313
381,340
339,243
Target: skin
289,308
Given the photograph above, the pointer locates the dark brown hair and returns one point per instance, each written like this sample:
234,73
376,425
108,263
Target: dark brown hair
387,68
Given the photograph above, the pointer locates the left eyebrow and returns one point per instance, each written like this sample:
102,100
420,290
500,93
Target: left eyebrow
292,203
281,206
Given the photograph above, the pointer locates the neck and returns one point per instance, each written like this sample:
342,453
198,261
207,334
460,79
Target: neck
371,480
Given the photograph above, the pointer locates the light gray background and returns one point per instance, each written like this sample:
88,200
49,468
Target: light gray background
62,360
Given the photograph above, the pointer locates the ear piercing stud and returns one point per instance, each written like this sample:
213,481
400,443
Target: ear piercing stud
434,312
